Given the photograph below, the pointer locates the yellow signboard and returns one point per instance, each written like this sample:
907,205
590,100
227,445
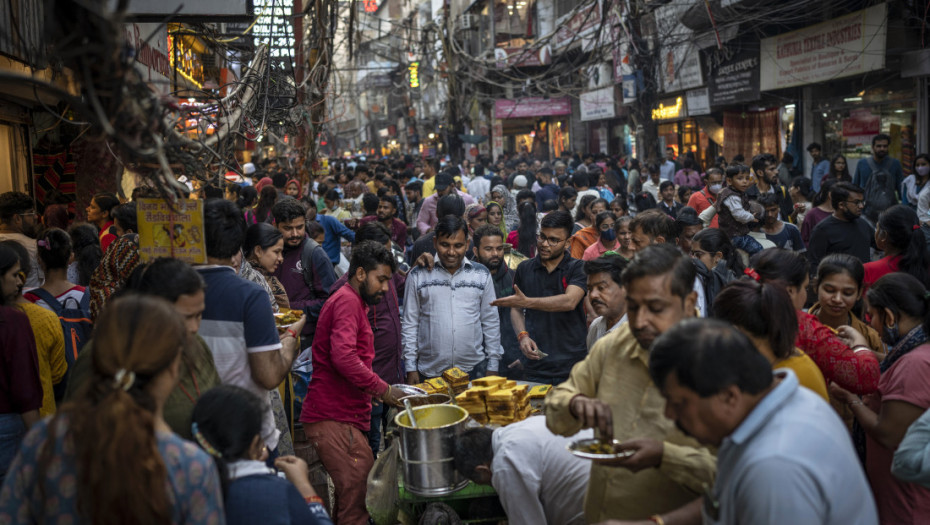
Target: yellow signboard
664,112
166,233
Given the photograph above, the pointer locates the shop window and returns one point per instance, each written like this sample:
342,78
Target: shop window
13,149
849,131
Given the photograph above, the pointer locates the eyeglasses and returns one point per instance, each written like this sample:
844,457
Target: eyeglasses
698,253
28,213
860,202
550,241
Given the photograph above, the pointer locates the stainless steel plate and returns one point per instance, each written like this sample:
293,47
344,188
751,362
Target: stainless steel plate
579,448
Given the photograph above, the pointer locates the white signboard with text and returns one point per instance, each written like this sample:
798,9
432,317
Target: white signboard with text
845,46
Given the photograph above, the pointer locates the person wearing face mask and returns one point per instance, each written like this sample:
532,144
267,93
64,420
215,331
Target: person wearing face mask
915,182
899,309
605,223
844,231
707,196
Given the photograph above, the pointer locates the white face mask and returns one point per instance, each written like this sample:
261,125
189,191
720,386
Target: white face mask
715,188
923,170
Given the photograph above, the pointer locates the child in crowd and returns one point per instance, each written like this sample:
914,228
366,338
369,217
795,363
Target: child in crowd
734,209
227,424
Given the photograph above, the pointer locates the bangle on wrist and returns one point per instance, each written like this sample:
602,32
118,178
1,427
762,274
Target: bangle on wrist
860,348
522,334
855,402
655,518
313,499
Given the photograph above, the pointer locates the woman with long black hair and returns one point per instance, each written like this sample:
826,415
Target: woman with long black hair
898,234
523,238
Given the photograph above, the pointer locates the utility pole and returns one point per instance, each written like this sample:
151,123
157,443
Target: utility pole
455,125
644,51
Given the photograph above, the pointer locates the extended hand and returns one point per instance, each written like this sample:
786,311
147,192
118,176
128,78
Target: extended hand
517,300
841,394
529,349
851,336
392,396
413,377
647,453
593,413
425,260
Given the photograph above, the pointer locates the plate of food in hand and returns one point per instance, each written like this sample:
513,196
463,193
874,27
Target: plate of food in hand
286,318
598,449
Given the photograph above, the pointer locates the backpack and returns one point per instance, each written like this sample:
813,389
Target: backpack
306,262
879,191
75,321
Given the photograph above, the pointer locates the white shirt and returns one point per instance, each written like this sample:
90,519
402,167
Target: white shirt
34,278
589,191
652,188
537,479
479,188
667,171
599,329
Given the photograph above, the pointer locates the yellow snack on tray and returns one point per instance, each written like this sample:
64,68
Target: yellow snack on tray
426,387
488,381
539,391
455,376
439,385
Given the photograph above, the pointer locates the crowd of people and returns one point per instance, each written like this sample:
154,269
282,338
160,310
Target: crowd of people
754,342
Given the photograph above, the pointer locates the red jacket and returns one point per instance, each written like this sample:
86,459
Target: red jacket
700,201
343,382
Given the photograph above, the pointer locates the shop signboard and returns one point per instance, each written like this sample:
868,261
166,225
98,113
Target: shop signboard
630,86
522,57
681,68
670,109
598,104
150,44
861,126
578,25
497,137
167,232
735,81
849,45
532,107
698,102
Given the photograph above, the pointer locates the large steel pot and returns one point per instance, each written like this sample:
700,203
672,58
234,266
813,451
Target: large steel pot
428,451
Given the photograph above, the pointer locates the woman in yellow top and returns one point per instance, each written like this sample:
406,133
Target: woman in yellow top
50,340
765,313
839,288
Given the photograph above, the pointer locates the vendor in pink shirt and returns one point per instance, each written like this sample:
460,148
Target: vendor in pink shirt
337,409
605,223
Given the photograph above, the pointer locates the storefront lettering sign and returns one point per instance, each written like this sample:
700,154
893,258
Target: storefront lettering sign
735,81
698,102
681,68
861,126
414,70
670,109
177,233
152,60
532,107
522,57
598,104
842,47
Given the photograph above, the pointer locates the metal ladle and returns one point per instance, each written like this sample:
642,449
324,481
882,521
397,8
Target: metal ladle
409,408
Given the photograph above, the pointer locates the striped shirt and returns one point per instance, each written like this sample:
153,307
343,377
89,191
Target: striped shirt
449,321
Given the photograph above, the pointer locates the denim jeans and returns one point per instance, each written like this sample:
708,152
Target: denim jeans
379,421
12,431
746,243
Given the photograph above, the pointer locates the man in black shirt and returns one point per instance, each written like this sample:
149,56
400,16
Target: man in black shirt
489,250
550,288
844,231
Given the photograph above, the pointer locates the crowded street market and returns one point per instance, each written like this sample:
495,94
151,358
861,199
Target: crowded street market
615,262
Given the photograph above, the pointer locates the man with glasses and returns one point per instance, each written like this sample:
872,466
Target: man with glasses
18,222
546,306
845,231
